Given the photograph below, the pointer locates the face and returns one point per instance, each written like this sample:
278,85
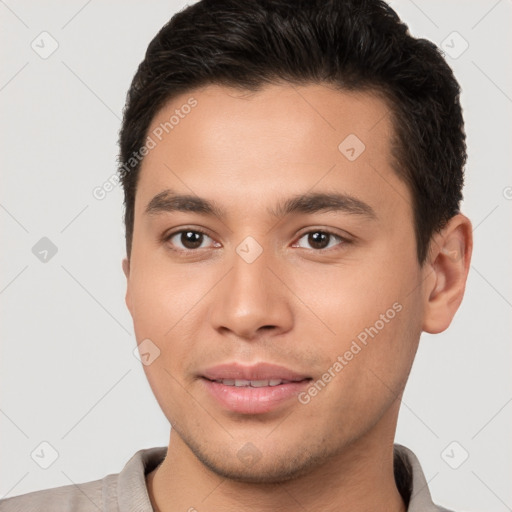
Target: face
295,248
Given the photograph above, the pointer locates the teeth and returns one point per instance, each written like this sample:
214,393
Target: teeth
242,383
259,383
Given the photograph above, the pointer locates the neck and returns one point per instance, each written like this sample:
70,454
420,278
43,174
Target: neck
360,478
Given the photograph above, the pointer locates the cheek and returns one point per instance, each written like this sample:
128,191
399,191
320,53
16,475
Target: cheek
163,295
379,350
371,317
347,298
366,367
168,304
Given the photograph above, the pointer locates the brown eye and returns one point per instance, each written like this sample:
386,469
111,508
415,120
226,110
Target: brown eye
320,240
187,239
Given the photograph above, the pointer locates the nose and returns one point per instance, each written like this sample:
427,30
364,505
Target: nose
252,300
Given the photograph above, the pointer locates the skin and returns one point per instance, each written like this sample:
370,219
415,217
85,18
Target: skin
296,305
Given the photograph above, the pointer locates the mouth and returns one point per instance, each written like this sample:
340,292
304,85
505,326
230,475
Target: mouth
242,383
256,373
256,389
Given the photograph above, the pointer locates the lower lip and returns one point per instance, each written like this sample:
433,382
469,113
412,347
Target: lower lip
249,400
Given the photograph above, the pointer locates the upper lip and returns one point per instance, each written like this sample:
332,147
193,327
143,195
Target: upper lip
259,371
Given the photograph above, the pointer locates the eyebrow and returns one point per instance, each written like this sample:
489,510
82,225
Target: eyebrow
311,202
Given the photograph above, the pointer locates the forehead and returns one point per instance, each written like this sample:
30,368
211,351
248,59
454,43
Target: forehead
220,141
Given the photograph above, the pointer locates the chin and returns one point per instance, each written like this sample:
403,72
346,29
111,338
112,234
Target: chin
264,474
266,470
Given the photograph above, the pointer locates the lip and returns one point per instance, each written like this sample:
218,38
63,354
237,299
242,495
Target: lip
259,371
253,400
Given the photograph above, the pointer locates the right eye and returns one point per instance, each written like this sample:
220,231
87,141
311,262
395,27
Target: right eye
189,239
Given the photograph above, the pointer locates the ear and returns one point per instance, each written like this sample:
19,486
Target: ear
126,270
126,267
446,272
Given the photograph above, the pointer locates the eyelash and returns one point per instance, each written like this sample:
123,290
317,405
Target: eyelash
167,238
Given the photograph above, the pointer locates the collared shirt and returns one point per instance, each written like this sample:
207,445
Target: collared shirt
127,491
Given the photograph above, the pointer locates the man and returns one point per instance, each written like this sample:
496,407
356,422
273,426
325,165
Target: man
292,174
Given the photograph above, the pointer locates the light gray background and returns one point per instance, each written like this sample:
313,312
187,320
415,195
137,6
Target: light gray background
68,373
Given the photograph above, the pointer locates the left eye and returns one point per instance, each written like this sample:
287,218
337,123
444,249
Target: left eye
320,239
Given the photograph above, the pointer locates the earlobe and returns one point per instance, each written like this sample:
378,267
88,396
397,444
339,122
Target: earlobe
450,257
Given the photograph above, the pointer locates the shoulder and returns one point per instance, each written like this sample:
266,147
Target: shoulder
124,491
412,483
83,497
